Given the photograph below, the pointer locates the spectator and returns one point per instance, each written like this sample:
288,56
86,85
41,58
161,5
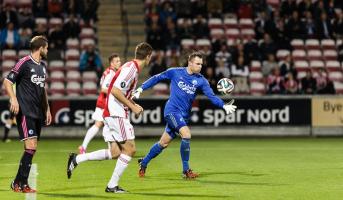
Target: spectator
245,10
39,8
294,27
199,7
268,65
200,28
310,26
308,84
287,66
240,70
57,38
324,27
9,37
223,57
40,30
275,82
304,7
71,27
158,65
260,25
231,6
212,80
166,12
154,37
26,19
338,25
251,50
55,8
291,85
25,37
88,10
184,9
90,60
267,46
185,29
222,70
8,15
287,8
215,8
71,7
171,38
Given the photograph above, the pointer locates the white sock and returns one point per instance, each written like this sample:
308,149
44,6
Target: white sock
103,154
122,163
92,131
8,125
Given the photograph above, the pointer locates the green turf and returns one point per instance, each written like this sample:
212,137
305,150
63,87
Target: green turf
266,169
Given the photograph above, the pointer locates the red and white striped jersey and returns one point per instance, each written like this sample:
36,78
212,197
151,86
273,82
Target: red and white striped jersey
125,79
105,81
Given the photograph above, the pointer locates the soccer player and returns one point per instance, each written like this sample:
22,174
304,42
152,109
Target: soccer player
185,82
118,131
30,105
105,80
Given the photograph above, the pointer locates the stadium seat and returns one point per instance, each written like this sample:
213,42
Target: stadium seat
312,44
87,33
160,89
301,75
282,53
89,76
215,23
201,43
73,76
40,20
187,43
330,55
73,88
56,65
89,88
256,76
216,33
73,43
7,65
56,76
246,23
72,65
301,65
72,54
328,44
54,21
180,21
298,44
314,55
232,33
257,88
333,66
24,3
87,41
56,89
338,87
299,55
230,23
23,52
316,64
248,32
9,54
335,76
255,66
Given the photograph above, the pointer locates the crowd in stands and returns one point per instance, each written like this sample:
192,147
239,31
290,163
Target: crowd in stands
265,46
69,26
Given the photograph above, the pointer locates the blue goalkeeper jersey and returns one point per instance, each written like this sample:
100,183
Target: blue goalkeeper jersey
183,90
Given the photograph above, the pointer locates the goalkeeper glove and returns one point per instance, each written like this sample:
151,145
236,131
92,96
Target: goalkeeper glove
136,93
229,107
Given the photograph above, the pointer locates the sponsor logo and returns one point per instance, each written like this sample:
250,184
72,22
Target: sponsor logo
122,84
32,70
30,132
62,116
38,80
189,89
194,82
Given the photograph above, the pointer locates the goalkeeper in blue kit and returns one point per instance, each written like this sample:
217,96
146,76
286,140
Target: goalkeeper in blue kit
184,84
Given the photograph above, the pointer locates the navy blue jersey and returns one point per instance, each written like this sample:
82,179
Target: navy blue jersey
183,90
29,77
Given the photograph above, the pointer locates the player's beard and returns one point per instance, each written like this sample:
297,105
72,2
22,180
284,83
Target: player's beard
43,55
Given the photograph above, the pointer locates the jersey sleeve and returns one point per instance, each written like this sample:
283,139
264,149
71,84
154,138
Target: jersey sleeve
127,74
16,72
207,90
105,83
166,75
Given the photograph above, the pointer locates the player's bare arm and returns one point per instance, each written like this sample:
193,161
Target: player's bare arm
13,99
48,113
137,109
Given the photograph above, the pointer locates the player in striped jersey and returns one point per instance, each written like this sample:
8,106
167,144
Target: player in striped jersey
105,80
118,131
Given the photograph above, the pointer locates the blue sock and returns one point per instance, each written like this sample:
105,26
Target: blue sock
154,151
185,151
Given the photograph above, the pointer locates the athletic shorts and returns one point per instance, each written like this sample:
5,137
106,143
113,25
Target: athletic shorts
97,115
28,127
174,122
117,129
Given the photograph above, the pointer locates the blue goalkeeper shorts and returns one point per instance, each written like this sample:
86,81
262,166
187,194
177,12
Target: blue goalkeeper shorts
174,122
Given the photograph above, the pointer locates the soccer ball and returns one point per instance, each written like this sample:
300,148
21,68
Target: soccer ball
225,86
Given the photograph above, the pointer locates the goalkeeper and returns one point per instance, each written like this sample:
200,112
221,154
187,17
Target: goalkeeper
184,85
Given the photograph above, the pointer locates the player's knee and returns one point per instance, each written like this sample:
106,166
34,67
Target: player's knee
115,153
164,144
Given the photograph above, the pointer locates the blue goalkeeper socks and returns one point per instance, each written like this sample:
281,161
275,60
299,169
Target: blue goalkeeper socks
185,150
154,151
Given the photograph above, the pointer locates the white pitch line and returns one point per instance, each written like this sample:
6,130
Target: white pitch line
32,182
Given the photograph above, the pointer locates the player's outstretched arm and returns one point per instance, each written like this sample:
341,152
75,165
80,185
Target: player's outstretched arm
229,107
137,109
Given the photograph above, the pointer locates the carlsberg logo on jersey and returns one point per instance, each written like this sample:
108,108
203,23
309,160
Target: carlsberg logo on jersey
187,88
39,80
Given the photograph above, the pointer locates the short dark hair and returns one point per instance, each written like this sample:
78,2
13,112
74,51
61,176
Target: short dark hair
113,55
38,42
195,54
143,50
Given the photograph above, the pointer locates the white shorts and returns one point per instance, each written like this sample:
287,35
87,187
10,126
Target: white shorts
97,115
117,129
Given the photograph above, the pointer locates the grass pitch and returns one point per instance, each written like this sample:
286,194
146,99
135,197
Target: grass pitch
266,169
